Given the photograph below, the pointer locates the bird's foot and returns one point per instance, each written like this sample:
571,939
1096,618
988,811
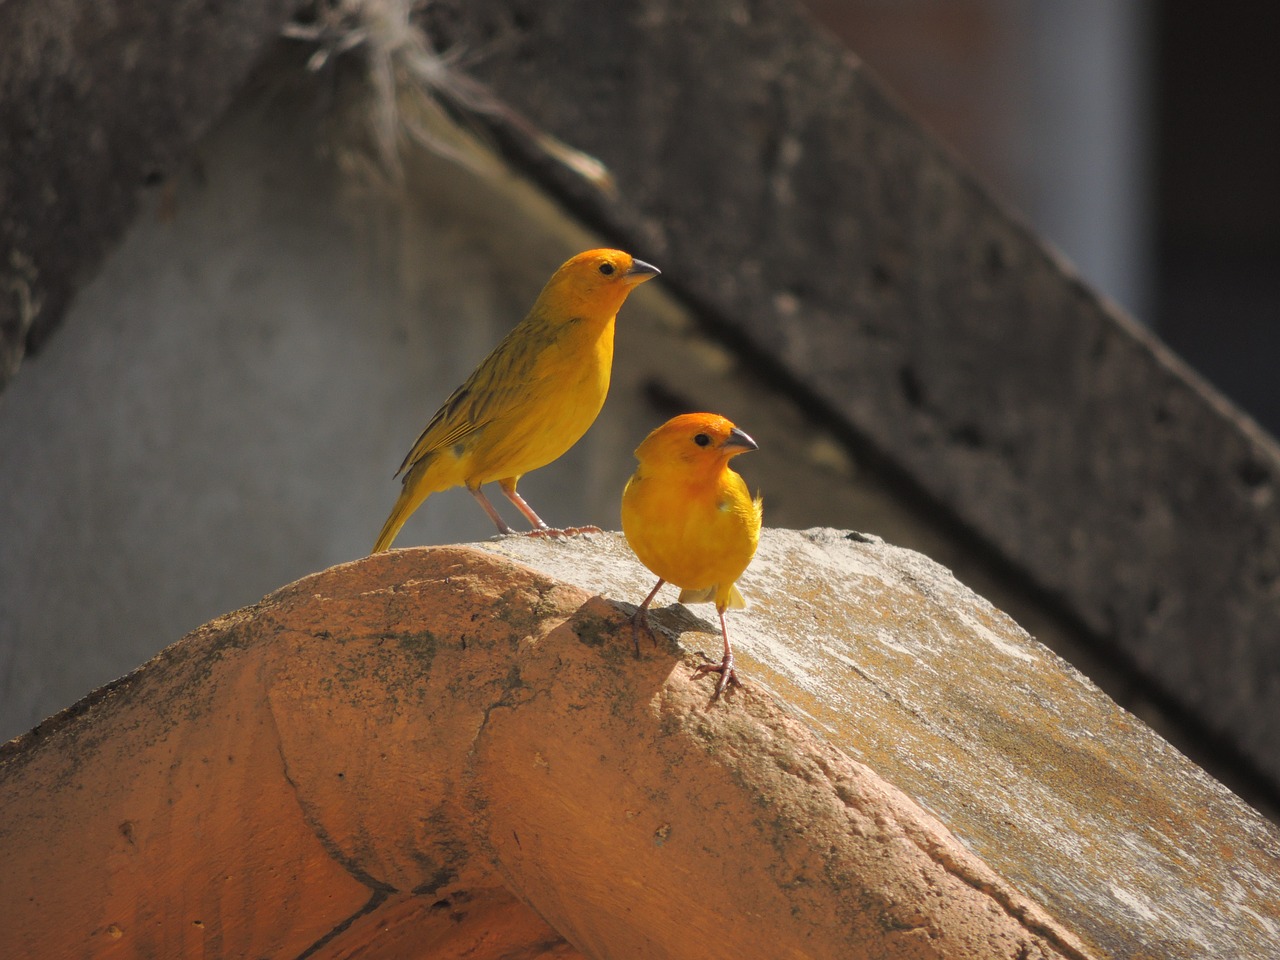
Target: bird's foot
726,671
556,532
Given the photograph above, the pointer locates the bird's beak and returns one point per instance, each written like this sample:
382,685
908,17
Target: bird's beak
640,272
740,440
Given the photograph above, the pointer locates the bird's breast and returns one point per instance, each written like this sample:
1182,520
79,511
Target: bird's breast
692,534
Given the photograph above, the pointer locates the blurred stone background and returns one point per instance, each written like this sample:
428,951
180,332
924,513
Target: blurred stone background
1140,138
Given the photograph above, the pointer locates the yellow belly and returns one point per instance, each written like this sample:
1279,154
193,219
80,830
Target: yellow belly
695,539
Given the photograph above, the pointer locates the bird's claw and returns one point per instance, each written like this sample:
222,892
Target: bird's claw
727,674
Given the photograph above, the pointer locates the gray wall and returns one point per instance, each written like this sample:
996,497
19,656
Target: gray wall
224,406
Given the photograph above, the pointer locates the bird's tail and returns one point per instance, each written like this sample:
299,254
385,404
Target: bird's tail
735,601
410,499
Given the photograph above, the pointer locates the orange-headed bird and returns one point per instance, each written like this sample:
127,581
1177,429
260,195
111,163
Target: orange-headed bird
691,520
531,399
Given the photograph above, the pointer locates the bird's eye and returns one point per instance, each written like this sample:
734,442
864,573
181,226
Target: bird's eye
606,268
702,439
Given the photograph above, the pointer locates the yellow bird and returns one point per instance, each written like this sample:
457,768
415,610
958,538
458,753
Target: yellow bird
531,399
691,520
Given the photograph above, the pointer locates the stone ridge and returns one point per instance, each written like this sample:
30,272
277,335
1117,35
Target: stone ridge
884,654
440,752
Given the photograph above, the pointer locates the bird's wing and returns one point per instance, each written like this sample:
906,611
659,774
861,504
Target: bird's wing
494,388
449,425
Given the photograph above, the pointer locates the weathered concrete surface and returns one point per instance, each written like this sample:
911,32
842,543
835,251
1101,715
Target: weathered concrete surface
436,752
96,99
787,196
439,753
1079,804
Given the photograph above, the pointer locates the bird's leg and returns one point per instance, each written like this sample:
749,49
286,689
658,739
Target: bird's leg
509,489
641,618
540,529
489,509
724,667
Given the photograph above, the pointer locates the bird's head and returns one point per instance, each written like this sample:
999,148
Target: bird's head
597,280
693,440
